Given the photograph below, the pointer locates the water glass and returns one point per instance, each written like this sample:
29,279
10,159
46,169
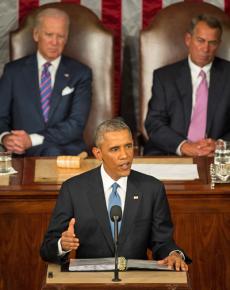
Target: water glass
222,152
5,162
227,152
222,160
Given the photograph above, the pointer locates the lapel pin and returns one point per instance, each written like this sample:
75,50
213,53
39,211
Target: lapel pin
135,196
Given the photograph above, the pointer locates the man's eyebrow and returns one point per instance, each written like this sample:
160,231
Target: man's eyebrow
114,146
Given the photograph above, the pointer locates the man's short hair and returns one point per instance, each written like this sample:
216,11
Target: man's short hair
51,12
210,20
112,125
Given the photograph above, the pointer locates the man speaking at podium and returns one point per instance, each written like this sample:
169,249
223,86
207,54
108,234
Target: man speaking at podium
81,221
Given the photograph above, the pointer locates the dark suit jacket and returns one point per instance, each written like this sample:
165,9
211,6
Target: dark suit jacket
20,107
146,221
170,107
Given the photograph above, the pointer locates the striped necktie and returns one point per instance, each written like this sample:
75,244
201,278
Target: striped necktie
45,90
114,199
197,128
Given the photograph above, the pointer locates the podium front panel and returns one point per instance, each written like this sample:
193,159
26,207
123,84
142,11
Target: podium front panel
144,280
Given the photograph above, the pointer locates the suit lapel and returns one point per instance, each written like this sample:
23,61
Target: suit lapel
132,203
30,73
98,205
61,81
215,88
184,84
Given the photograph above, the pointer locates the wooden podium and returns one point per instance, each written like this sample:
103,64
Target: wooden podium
143,280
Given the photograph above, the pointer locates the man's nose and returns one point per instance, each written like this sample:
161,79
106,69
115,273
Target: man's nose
123,152
54,40
206,47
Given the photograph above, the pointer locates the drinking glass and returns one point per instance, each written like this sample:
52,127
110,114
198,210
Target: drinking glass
219,152
5,162
222,160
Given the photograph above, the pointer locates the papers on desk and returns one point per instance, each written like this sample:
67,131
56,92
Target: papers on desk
169,171
107,264
102,264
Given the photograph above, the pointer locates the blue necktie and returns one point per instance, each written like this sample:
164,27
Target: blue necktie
114,199
45,90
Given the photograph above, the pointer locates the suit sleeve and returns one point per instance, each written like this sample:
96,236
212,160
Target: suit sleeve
162,227
59,221
5,101
72,127
158,119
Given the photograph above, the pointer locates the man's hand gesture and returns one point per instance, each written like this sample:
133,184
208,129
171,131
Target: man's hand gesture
68,238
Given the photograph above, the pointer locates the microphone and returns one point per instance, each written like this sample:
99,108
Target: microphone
115,216
115,213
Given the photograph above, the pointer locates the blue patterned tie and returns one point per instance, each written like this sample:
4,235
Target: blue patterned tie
45,90
114,199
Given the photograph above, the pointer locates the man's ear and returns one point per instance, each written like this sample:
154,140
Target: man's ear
35,34
97,153
187,38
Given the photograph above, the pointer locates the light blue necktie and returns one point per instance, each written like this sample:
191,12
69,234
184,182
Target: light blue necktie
114,199
45,90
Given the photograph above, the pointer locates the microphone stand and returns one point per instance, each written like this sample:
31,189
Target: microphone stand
116,271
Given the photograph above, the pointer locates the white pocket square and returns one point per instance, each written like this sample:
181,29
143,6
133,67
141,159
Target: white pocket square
67,91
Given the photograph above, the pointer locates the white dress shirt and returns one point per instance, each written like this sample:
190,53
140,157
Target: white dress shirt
107,185
196,79
38,139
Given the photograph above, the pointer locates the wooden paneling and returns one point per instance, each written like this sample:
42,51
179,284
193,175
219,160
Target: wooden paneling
20,239
205,235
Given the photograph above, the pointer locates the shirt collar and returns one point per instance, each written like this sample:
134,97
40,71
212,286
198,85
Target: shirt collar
196,69
108,181
41,61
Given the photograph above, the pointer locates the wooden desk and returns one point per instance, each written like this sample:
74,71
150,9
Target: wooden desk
103,280
201,217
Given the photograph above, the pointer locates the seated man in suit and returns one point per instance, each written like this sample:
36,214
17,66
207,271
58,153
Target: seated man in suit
81,222
189,108
45,98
